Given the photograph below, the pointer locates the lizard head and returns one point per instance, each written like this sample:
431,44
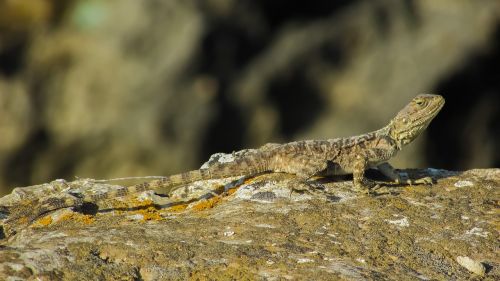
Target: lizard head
414,118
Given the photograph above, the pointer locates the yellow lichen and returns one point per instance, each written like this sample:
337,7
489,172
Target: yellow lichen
232,190
23,220
48,220
44,221
207,204
150,213
86,219
178,208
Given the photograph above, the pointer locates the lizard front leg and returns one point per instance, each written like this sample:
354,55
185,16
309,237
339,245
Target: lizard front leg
389,171
361,183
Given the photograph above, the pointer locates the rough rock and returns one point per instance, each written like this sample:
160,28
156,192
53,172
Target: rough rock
269,227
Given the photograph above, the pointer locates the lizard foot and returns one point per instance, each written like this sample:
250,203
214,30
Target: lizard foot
426,181
403,178
366,187
302,186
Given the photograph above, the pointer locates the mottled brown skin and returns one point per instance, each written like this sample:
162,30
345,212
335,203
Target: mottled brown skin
305,159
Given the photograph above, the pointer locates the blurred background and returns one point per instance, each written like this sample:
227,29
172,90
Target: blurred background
106,89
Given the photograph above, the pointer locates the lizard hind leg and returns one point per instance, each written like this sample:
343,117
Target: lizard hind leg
304,168
302,185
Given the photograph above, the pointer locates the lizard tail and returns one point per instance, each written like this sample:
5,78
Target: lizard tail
34,209
242,166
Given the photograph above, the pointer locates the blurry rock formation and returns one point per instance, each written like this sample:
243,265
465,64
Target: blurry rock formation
126,88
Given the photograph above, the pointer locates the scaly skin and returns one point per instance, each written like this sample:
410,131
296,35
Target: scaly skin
304,159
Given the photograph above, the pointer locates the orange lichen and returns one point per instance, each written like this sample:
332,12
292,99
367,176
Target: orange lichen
150,213
48,220
207,204
141,203
44,221
232,190
247,181
178,208
24,220
86,219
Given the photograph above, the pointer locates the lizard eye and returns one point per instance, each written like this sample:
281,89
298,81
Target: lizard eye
419,102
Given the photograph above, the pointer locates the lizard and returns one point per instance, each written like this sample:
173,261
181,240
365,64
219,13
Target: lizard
304,159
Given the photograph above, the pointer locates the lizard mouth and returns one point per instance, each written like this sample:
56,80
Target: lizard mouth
439,106
441,102
435,107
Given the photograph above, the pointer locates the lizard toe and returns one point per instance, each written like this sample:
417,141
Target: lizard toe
426,181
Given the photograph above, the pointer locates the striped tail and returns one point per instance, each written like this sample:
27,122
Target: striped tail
34,209
242,166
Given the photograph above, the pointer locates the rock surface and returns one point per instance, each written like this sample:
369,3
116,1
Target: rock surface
260,228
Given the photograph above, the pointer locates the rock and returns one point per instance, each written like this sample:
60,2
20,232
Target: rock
260,228
472,265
